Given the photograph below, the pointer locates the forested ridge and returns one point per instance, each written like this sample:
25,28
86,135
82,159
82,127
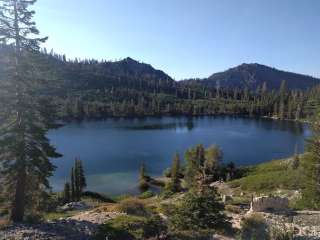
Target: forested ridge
90,89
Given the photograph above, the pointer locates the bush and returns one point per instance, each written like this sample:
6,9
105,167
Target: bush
281,233
4,212
33,218
97,196
166,191
145,195
191,235
233,209
132,228
119,198
133,206
199,211
254,227
167,172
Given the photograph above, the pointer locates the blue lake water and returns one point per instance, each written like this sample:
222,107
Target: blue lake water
112,150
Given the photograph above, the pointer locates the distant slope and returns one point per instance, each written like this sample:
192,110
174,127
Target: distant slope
127,73
131,74
99,75
254,75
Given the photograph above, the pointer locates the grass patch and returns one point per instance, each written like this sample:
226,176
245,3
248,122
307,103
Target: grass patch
270,176
132,228
133,206
56,216
98,197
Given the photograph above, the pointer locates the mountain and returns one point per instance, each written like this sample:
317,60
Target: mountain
131,74
254,75
91,74
90,89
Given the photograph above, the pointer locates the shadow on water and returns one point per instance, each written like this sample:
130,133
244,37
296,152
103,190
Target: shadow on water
177,125
294,127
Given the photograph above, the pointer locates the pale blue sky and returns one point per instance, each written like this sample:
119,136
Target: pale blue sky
187,38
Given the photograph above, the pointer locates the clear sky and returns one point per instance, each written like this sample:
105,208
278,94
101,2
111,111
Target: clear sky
187,38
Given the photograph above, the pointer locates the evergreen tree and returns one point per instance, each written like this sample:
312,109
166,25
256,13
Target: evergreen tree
296,159
143,183
174,183
82,177
211,167
191,167
66,193
24,146
203,166
199,211
311,191
73,188
231,170
79,179
77,186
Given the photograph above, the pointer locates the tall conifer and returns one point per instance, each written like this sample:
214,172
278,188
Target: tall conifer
25,149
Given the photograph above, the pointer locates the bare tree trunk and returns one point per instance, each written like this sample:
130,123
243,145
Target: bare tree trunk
18,204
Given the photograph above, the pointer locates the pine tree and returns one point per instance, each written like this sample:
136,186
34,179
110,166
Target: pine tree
311,191
79,179
66,193
199,211
76,180
174,183
143,184
82,177
296,159
73,188
211,166
24,146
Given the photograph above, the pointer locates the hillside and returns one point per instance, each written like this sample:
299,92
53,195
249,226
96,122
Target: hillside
252,76
97,89
134,75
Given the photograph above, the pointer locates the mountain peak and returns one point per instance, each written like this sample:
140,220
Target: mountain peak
253,75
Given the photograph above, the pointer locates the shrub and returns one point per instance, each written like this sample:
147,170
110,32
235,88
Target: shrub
119,198
254,227
145,195
166,191
33,218
132,228
97,196
4,212
133,206
233,209
167,172
281,233
191,235
199,211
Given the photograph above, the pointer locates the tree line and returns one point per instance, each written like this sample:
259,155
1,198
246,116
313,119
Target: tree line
282,104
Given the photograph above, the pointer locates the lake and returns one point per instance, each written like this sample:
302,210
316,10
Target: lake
112,150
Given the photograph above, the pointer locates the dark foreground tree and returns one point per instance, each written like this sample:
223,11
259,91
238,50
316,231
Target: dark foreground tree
25,149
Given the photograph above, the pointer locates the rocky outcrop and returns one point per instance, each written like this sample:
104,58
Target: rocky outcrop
79,227
263,204
78,206
57,230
